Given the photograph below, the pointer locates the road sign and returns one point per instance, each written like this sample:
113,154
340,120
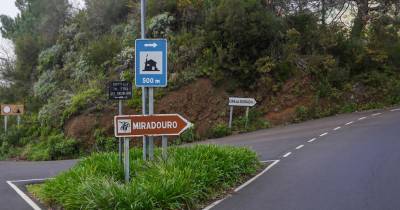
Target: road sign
12,109
151,62
150,125
120,90
234,101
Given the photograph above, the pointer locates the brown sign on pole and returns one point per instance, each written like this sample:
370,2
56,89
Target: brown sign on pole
12,109
150,125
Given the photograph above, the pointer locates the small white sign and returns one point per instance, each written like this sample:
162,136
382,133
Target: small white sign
235,101
7,109
124,125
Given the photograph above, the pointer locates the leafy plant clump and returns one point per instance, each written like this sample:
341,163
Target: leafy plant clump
190,177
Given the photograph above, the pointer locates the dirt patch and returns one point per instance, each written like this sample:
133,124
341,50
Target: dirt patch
200,102
295,93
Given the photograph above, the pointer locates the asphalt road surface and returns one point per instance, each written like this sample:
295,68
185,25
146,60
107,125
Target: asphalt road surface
12,170
349,161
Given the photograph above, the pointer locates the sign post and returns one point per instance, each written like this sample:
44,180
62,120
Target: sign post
11,110
243,102
120,90
5,124
150,71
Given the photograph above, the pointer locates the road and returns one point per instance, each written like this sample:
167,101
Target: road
348,161
351,162
12,170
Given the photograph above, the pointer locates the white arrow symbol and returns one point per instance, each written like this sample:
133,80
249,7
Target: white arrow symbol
154,45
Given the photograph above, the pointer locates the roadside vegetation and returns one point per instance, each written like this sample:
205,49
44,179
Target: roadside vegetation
190,177
300,60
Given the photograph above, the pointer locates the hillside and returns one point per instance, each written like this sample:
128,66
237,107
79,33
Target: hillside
299,63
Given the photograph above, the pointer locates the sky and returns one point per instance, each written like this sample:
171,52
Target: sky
7,7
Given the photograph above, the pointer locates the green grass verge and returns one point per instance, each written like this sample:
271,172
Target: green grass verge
191,177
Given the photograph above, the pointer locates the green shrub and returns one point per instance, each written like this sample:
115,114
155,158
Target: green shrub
104,143
80,101
220,130
191,176
188,136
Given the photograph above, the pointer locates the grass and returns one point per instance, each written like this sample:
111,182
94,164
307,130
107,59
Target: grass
189,178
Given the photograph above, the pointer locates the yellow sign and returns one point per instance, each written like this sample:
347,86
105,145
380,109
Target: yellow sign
12,109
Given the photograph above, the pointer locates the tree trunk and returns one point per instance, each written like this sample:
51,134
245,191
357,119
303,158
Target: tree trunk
361,19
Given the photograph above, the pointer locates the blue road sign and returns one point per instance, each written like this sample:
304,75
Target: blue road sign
151,62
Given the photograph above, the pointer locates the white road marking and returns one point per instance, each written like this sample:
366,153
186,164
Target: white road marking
351,122
337,128
287,154
376,114
362,118
324,134
29,180
311,140
300,146
245,184
24,196
394,110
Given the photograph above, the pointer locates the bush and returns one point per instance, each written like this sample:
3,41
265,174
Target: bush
220,130
104,143
80,101
190,176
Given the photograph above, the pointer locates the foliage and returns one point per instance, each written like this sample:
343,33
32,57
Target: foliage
104,143
220,130
188,178
34,142
80,101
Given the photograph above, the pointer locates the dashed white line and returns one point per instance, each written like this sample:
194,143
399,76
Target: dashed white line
376,114
362,118
351,122
287,154
300,146
394,110
324,134
311,140
337,128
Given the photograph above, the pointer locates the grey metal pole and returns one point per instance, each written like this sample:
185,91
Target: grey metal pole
126,159
144,90
151,111
5,123
247,117
164,147
18,120
230,116
120,143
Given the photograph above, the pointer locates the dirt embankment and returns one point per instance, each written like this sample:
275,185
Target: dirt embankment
204,105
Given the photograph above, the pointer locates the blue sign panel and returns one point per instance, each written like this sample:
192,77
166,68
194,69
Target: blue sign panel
151,62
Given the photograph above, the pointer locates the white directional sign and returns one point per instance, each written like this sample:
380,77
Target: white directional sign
234,101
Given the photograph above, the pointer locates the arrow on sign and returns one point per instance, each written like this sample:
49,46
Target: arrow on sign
154,45
150,125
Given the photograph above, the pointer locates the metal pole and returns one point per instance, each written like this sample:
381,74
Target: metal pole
164,147
144,90
151,111
5,123
230,117
120,143
126,159
247,116
18,120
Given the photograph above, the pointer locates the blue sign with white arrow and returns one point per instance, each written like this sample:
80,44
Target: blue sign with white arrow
151,62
